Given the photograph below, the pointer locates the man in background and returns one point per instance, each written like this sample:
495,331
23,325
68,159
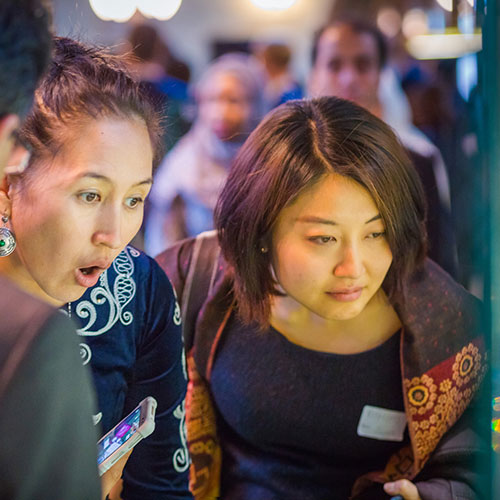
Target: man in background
348,59
48,444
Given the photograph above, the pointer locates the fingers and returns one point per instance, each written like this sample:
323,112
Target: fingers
116,491
404,488
111,476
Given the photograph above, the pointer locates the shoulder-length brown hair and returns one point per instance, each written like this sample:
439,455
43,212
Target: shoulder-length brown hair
293,148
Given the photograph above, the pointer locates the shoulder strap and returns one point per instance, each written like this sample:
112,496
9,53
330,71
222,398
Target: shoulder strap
201,273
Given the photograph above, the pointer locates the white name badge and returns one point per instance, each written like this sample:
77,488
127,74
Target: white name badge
383,424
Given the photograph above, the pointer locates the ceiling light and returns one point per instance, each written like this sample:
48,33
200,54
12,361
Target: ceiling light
444,45
446,4
389,21
274,4
113,10
415,22
159,9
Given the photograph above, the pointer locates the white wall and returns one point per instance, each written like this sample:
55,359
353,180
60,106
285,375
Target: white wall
198,22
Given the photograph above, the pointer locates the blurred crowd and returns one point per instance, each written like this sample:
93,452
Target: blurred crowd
350,365
207,119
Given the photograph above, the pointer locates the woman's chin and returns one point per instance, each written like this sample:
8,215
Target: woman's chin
60,297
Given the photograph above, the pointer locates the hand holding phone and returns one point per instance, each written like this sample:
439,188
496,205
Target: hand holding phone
111,480
126,434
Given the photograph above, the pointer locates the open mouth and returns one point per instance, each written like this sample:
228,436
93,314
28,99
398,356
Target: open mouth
88,276
87,271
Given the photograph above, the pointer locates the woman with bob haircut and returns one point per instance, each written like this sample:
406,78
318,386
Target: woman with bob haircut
68,218
338,360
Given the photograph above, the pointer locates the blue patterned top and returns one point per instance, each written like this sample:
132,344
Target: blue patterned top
131,337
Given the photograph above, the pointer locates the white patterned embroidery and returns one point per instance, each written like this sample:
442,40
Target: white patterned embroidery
177,314
183,360
85,353
181,455
124,289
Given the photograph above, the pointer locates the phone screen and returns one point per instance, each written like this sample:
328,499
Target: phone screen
121,434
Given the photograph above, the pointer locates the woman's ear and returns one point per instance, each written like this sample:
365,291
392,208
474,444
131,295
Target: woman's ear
5,202
8,124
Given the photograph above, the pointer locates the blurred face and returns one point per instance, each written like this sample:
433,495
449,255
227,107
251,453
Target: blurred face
224,107
347,66
329,250
72,217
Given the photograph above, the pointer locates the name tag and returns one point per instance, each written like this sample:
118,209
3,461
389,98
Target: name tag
383,424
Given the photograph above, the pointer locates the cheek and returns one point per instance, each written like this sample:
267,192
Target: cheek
294,265
44,222
371,81
31,219
243,115
132,224
382,264
48,247
47,233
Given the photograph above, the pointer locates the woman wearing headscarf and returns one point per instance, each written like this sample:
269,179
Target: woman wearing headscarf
187,183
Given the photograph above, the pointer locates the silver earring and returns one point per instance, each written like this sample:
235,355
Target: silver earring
7,240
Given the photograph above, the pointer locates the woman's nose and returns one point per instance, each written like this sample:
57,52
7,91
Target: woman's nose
108,231
350,265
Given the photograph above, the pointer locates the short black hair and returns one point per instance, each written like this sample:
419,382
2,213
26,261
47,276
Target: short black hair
358,26
25,45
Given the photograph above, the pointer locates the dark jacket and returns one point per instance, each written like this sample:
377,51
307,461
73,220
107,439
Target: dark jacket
443,361
441,238
48,439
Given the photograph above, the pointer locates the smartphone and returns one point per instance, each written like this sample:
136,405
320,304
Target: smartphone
137,425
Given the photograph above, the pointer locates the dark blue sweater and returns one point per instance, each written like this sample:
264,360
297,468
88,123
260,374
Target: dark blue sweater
131,336
288,415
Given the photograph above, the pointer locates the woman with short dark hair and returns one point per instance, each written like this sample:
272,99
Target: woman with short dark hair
338,359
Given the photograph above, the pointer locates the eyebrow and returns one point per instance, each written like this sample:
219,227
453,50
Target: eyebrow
312,219
101,177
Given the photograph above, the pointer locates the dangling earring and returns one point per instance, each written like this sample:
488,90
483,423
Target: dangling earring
7,240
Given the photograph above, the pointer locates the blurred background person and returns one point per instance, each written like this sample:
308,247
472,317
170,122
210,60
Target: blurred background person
187,183
447,119
348,58
164,76
280,83
48,439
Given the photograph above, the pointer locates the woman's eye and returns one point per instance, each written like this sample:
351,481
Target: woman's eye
133,202
323,240
89,197
375,236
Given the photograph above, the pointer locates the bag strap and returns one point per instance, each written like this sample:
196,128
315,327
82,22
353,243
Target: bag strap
201,273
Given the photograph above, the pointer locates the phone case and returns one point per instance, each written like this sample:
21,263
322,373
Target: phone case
146,427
